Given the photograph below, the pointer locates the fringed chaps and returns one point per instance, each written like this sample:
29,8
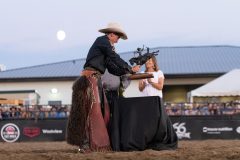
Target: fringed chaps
86,122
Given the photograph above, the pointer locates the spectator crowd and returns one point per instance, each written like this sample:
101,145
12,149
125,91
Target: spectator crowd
34,112
203,109
172,109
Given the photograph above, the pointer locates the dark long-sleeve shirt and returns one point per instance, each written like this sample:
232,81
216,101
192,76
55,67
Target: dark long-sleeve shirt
102,55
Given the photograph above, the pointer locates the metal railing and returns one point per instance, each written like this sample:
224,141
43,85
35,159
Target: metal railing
172,109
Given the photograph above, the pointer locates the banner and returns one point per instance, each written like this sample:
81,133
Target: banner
198,128
187,128
31,130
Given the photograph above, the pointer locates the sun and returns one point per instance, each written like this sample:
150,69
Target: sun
61,35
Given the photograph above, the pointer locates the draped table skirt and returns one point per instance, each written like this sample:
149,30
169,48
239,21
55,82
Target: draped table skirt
141,123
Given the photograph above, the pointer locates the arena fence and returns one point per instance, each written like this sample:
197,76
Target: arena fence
186,127
191,121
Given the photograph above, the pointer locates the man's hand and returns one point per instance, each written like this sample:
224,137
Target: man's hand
136,68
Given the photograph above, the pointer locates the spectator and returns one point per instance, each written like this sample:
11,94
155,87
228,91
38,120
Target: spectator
53,113
41,113
13,113
61,113
1,113
24,114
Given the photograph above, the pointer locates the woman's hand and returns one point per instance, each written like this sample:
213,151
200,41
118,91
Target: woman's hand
150,80
142,84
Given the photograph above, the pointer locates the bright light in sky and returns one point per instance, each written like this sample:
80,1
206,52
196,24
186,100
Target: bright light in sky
61,35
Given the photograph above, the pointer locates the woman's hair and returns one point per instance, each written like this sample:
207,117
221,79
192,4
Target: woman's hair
155,65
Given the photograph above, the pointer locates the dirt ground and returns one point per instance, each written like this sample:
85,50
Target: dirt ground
188,150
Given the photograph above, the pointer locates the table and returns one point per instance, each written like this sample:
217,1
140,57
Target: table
141,123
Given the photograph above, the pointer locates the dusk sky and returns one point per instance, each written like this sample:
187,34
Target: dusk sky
28,32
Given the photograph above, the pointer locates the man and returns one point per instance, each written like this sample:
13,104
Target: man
89,116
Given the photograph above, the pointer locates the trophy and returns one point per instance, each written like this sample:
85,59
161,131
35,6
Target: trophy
141,59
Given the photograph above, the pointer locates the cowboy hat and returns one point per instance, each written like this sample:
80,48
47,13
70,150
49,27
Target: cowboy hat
114,28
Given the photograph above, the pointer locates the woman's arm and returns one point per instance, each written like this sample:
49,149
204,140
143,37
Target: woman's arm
158,85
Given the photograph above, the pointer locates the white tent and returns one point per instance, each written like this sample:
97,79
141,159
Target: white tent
226,85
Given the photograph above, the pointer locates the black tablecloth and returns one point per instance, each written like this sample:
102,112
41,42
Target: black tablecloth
141,123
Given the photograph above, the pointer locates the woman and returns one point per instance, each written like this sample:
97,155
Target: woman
164,135
89,116
152,86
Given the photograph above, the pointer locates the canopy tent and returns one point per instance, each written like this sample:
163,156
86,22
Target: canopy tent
226,85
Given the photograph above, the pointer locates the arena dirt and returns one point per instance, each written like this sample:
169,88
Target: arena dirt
188,150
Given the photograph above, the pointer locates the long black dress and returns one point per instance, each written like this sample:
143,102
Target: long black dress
141,123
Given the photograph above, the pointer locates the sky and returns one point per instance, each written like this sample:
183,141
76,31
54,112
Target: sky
28,28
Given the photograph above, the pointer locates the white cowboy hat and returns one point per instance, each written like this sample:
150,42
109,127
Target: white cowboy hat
115,28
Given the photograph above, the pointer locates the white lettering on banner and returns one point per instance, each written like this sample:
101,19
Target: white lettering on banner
52,131
216,130
181,130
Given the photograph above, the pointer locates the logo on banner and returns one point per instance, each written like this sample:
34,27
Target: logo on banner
238,130
181,130
208,130
10,132
31,131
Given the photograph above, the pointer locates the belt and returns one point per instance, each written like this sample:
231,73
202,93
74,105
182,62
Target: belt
111,91
90,72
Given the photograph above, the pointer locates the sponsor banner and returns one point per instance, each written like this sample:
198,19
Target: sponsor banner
200,128
31,130
187,128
